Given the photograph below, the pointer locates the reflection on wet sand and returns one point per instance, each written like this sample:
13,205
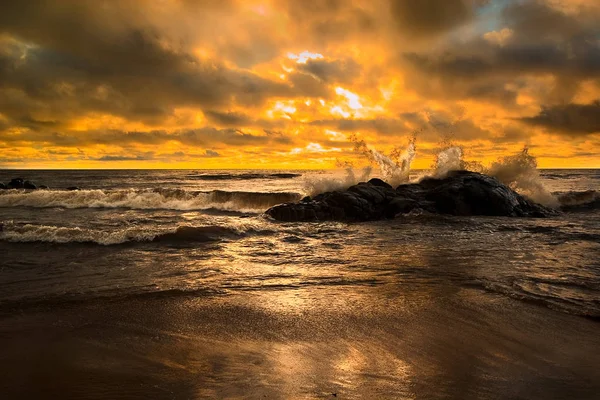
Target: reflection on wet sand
376,341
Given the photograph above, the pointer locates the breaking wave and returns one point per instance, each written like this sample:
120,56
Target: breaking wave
586,200
520,173
244,176
56,234
147,199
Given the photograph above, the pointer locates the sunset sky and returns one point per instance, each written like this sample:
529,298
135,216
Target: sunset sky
284,83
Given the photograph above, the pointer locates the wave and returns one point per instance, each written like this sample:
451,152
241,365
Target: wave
147,199
573,200
28,233
569,175
245,176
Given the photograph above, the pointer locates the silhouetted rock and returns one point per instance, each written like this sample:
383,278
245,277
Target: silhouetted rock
16,183
29,185
460,193
2,186
379,182
43,187
72,188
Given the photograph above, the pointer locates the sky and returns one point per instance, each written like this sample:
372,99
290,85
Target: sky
286,84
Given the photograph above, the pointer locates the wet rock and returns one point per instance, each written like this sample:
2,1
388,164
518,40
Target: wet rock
460,193
16,183
29,185
2,186
380,183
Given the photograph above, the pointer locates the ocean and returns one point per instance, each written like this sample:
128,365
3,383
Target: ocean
174,284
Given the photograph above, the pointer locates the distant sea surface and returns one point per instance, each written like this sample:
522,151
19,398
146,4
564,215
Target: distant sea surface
199,234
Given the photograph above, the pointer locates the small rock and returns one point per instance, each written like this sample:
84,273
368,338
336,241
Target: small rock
29,185
16,183
73,188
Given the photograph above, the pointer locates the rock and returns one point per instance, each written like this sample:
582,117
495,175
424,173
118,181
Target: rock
73,188
43,187
29,185
16,183
460,193
2,186
380,183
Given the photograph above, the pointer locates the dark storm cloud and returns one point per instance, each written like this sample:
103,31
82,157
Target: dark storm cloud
228,118
332,20
192,137
385,126
141,157
63,84
535,21
79,56
308,85
484,60
541,40
240,120
408,123
211,153
571,119
426,18
342,71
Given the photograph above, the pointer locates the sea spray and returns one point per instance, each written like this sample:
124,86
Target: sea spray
395,169
449,159
146,199
349,177
520,173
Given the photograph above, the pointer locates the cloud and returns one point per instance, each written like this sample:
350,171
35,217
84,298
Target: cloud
426,18
537,40
571,119
213,82
190,137
385,126
211,153
337,71
145,157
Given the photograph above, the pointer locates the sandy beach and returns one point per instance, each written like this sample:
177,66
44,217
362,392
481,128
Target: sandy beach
372,342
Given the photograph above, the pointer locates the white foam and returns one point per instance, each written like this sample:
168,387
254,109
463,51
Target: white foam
520,173
175,199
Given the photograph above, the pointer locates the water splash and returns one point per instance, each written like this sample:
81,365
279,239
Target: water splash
520,173
449,159
313,187
395,168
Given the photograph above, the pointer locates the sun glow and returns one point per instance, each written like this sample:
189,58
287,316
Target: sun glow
303,57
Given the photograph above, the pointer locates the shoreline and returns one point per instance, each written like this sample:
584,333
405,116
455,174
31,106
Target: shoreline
373,342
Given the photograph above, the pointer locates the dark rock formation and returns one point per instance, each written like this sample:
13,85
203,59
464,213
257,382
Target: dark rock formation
16,183
29,185
72,188
20,183
460,193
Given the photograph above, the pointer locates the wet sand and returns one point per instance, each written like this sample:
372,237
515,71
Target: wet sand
331,342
